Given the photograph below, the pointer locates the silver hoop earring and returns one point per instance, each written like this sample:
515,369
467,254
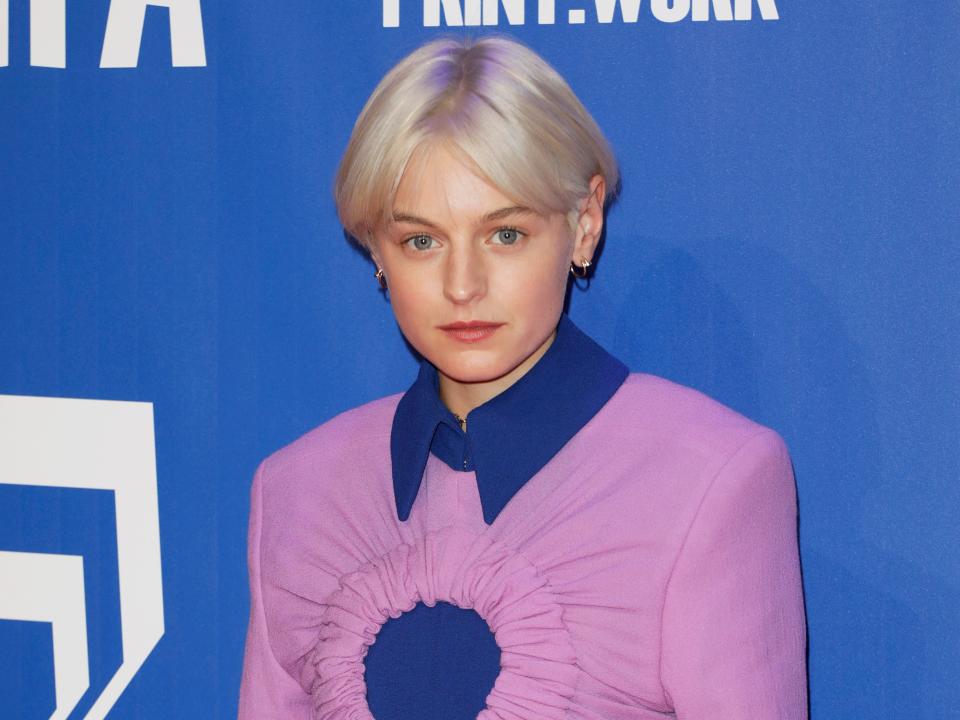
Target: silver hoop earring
381,280
584,264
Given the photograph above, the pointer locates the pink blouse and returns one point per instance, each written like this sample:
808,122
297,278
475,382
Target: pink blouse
649,570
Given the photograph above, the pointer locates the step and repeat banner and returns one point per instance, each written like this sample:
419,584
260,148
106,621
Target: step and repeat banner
177,300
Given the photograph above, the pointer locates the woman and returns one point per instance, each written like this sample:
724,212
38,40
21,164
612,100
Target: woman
531,530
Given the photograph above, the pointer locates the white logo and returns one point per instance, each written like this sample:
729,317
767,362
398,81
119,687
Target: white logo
97,445
455,13
121,41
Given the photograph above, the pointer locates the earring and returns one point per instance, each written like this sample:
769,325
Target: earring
381,281
584,264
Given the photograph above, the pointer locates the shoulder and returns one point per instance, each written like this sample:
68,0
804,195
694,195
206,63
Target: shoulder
678,446
684,420
344,442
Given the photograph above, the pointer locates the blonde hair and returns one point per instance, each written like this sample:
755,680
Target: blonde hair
495,101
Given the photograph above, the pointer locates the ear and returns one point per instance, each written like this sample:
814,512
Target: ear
589,221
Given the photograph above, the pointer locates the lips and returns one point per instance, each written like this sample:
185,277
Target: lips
470,332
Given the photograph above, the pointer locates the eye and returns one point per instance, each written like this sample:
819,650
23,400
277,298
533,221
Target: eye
419,242
507,235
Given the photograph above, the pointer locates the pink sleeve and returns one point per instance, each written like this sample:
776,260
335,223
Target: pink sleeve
267,691
733,629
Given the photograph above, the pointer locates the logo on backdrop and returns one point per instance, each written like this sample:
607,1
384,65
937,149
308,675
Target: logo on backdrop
121,38
456,13
86,445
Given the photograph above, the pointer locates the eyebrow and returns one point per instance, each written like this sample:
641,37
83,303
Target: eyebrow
399,216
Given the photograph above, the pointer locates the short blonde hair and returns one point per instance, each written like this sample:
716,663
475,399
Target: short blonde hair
497,102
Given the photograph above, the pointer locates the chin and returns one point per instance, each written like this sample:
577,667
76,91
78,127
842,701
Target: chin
474,370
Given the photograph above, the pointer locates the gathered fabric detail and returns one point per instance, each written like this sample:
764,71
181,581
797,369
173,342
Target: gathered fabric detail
538,665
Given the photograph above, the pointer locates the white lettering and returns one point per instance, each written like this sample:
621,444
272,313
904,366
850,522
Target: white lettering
721,10
452,15
487,12
121,41
667,11
768,9
471,12
513,9
629,8
48,33
546,12
4,33
391,13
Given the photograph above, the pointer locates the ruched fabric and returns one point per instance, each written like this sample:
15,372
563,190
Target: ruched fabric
538,666
650,570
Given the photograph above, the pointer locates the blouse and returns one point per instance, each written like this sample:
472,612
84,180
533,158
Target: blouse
599,545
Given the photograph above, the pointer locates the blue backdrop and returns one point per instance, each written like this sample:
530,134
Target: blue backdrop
786,241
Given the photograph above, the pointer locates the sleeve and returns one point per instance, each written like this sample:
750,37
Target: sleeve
267,691
733,626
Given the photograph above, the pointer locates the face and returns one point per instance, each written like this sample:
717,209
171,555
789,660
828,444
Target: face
459,251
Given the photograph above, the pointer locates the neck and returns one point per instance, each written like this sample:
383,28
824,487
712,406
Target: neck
462,397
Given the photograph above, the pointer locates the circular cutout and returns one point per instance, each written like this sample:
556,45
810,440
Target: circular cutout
441,660
538,668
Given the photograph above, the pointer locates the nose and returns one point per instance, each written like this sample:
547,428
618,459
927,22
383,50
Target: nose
465,277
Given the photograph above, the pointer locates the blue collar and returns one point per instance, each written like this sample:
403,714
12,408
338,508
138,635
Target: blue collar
512,435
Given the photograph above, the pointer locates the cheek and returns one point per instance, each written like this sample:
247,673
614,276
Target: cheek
539,283
411,299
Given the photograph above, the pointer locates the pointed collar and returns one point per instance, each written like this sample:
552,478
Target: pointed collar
514,434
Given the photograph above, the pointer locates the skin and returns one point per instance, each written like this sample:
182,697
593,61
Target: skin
445,260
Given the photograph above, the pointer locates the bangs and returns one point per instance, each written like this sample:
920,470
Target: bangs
501,109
